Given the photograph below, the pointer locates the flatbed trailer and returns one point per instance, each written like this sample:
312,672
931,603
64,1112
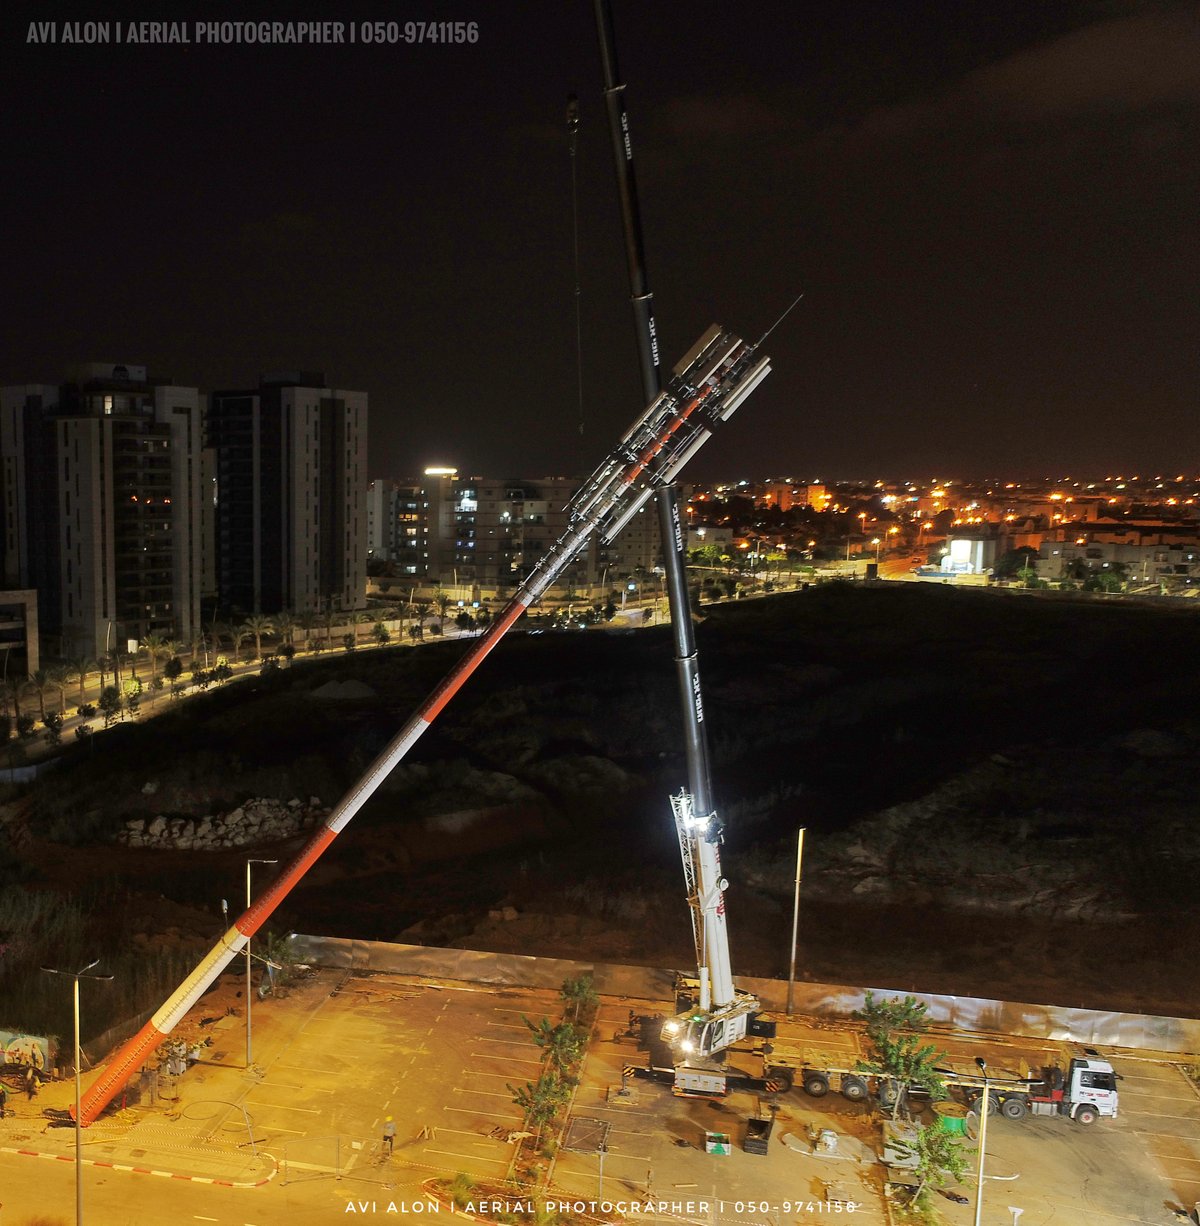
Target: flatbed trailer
1023,1076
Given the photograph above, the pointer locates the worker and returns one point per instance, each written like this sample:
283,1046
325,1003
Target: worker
389,1135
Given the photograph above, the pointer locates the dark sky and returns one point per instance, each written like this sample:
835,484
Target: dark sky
991,210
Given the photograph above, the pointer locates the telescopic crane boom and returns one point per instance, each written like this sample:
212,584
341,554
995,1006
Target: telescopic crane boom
721,1014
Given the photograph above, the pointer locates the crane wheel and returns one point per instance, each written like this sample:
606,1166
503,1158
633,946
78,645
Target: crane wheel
1086,1115
854,1089
1013,1109
781,1078
816,1085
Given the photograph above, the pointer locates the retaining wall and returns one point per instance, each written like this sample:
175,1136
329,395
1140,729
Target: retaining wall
1086,1026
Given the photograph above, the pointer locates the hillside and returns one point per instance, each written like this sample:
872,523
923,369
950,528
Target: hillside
998,793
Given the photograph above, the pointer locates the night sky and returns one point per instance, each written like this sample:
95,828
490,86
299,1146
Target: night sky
990,208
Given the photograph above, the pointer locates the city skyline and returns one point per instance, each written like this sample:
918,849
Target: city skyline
985,212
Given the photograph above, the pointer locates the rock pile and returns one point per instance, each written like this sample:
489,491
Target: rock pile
255,822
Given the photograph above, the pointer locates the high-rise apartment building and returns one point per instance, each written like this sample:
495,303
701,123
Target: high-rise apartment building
291,505
476,532
103,507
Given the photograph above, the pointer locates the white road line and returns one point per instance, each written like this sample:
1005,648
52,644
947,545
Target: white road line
283,1085
1165,1115
482,1055
508,1026
285,1107
449,1153
491,1115
485,1093
507,1042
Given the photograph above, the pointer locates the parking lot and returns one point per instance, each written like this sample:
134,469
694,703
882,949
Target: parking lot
299,1137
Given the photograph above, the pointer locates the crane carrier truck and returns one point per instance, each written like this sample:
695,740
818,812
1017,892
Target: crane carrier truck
777,1053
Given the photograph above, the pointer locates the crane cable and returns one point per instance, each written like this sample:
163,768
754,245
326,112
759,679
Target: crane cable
572,143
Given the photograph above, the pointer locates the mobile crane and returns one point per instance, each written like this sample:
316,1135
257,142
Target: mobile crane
707,387
720,1015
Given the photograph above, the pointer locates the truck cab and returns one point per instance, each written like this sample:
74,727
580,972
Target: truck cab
1088,1091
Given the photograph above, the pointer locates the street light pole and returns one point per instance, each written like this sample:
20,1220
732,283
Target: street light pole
249,1055
795,922
77,976
983,1119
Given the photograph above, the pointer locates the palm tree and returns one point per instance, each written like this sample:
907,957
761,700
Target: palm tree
40,682
329,619
285,626
155,645
13,688
256,626
79,668
239,635
198,640
443,603
59,675
308,622
114,663
218,631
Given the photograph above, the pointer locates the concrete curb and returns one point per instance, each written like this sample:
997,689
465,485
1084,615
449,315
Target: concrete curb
143,1170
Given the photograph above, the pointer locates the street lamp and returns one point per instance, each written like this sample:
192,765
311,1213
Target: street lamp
863,520
983,1119
77,976
875,542
249,1058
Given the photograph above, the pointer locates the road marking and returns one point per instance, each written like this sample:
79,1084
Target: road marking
507,1042
285,1107
283,1085
449,1153
491,1115
482,1055
1165,1115
485,1093
204,1219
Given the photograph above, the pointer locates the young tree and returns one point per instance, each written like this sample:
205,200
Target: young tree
381,635
894,1029
562,1043
940,1159
579,995
541,1099
110,704
53,724
465,622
